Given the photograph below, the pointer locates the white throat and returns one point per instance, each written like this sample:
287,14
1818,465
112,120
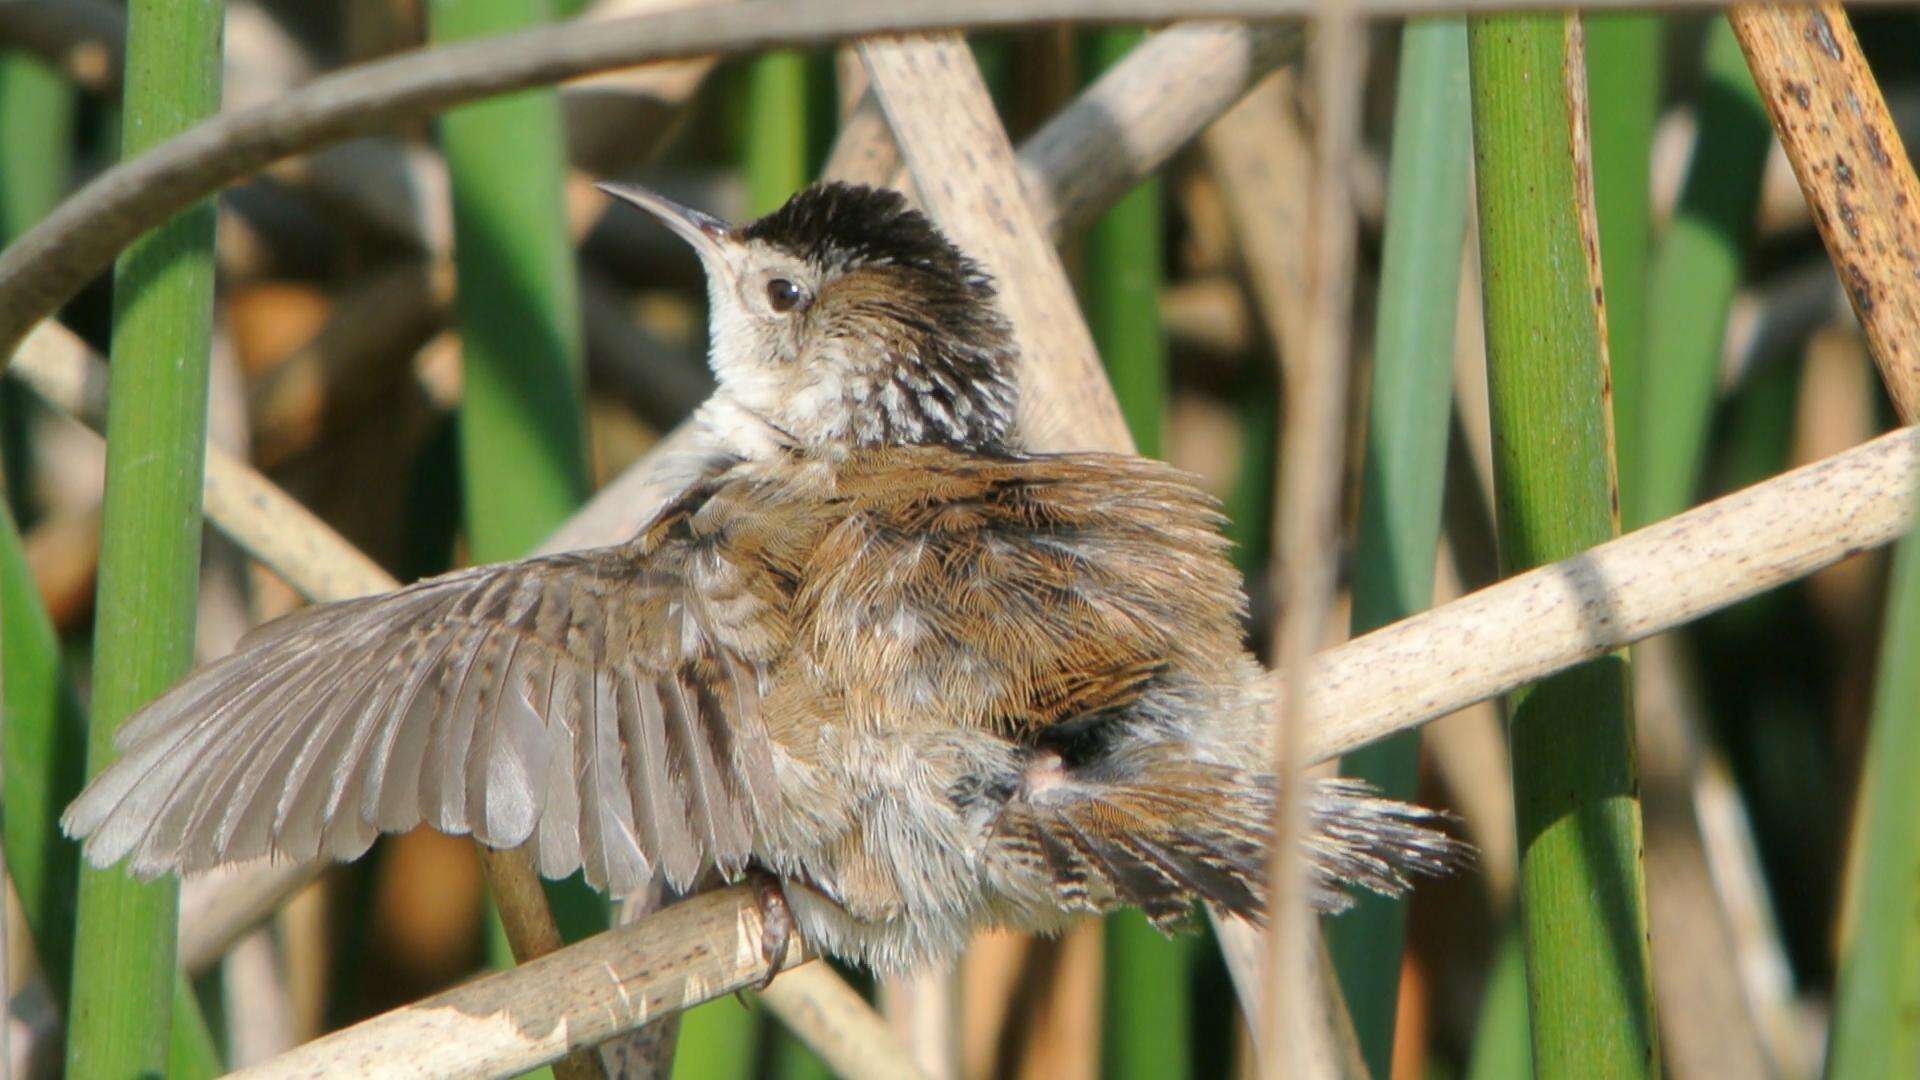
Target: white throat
738,429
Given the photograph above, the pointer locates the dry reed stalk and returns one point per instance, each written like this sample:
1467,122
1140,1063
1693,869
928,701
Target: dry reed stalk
1620,592
1262,157
1853,169
704,947
964,169
1297,978
839,1025
1469,751
1708,1026
923,1010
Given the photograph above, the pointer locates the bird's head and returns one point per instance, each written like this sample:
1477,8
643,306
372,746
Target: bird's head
845,318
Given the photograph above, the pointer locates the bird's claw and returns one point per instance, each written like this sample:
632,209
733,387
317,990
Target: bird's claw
776,921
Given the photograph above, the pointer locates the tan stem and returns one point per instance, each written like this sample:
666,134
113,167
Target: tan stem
705,947
1833,122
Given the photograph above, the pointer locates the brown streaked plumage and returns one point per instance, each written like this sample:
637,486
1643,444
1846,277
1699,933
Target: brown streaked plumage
929,680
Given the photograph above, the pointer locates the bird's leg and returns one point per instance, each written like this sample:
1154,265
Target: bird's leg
776,919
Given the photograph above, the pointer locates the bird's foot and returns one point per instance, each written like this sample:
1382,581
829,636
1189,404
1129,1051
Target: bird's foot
776,920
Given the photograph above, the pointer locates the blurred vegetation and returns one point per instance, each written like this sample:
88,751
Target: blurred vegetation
548,345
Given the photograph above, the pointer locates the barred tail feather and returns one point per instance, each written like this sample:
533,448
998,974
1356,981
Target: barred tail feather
1358,837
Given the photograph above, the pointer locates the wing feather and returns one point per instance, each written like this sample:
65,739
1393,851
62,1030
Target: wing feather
709,810
557,837
661,809
592,704
509,756
243,787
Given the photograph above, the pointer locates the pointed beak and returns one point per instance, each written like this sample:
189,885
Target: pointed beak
712,238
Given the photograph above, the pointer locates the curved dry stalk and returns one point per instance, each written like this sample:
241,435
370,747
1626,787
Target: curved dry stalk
1853,170
72,244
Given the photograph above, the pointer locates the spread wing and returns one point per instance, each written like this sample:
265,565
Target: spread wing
603,704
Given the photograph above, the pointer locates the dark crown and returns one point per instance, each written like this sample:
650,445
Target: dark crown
838,226
952,379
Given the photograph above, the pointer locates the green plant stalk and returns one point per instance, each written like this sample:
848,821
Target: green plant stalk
792,1058
1147,1031
1877,993
1249,502
1695,273
192,1053
1148,1028
44,759
42,733
123,969
1406,457
719,1039
1623,73
774,151
1122,261
1582,892
523,444
1501,1049
45,741
36,141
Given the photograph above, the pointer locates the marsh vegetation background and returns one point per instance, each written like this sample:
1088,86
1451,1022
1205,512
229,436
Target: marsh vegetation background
440,340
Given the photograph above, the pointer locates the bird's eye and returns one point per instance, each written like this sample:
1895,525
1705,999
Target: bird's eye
784,295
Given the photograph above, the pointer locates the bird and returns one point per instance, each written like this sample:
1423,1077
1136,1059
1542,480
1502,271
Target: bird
920,677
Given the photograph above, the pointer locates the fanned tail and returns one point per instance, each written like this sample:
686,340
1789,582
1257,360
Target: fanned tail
1161,835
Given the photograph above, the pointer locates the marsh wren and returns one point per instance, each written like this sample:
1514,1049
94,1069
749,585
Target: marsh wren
928,680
